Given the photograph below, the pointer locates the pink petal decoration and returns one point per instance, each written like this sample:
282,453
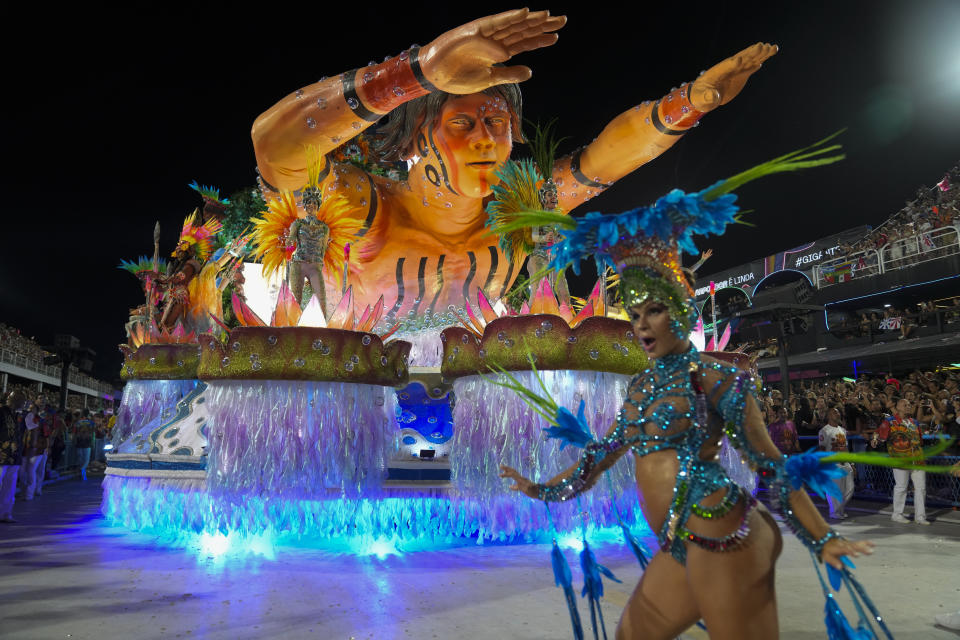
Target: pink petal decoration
312,315
598,298
486,309
374,316
343,310
377,312
361,323
468,325
724,338
475,325
287,311
524,309
245,315
585,313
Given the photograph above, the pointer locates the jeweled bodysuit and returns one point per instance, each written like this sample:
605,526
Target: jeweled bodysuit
666,408
311,236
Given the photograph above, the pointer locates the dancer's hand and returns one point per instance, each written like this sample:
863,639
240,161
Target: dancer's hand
837,547
523,485
462,60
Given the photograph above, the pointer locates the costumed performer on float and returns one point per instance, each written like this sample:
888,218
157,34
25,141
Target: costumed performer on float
193,248
718,544
455,113
310,238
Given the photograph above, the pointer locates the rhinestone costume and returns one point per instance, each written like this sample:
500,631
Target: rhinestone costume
311,234
666,408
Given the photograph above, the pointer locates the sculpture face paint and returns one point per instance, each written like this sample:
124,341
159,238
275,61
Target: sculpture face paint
469,141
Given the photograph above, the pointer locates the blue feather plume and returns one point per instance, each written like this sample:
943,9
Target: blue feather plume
635,547
570,429
808,469
593,585
563,579
838,627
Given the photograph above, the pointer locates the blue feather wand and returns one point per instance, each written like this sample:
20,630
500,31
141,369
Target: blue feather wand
593,585
563,579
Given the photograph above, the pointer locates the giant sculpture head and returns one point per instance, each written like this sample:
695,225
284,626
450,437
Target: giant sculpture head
457,142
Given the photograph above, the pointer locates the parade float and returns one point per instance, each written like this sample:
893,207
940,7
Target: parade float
363,402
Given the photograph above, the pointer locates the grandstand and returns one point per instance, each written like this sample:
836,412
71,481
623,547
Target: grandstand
883,299
21,366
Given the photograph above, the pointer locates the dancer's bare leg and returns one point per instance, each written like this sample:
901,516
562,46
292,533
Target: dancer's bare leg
535,265
295,280
734,590
662,606
560,286
313,274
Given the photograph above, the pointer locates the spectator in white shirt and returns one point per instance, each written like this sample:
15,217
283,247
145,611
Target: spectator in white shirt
833,438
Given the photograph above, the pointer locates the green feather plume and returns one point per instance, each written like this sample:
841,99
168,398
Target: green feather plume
142,265
543,147
544,405
913,463
812,156
515,195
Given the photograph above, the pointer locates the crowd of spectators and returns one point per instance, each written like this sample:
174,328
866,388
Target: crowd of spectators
903,322
932,397
38,442
12,340
881,413
903,239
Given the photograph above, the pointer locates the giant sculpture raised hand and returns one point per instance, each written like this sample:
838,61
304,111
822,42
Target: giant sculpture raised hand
455,113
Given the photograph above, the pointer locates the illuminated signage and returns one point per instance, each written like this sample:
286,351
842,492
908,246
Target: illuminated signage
816,256
733,281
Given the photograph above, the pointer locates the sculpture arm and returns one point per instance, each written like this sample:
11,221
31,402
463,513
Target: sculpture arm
464,60
329,112
640,134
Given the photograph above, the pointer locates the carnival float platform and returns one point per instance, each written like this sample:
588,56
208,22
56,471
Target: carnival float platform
314,434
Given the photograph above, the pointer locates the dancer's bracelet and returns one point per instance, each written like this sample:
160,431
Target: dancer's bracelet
818,545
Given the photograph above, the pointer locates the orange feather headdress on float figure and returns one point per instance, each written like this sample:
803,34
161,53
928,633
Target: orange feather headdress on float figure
199,237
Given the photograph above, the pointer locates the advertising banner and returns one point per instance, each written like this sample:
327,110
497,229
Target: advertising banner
801,258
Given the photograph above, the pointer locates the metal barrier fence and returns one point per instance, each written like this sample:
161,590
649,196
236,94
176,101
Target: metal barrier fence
846,268
922,247
871,482
898,254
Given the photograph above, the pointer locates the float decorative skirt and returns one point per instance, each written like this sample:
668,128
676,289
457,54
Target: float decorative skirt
299,439
145,403
493,426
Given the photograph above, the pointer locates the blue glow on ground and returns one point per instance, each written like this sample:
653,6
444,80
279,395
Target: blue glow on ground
219,531
220,526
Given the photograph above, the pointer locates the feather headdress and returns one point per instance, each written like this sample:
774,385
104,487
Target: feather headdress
643,245
274,246
199,236
208,192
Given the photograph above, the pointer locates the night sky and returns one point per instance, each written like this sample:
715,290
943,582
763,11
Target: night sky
109,117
